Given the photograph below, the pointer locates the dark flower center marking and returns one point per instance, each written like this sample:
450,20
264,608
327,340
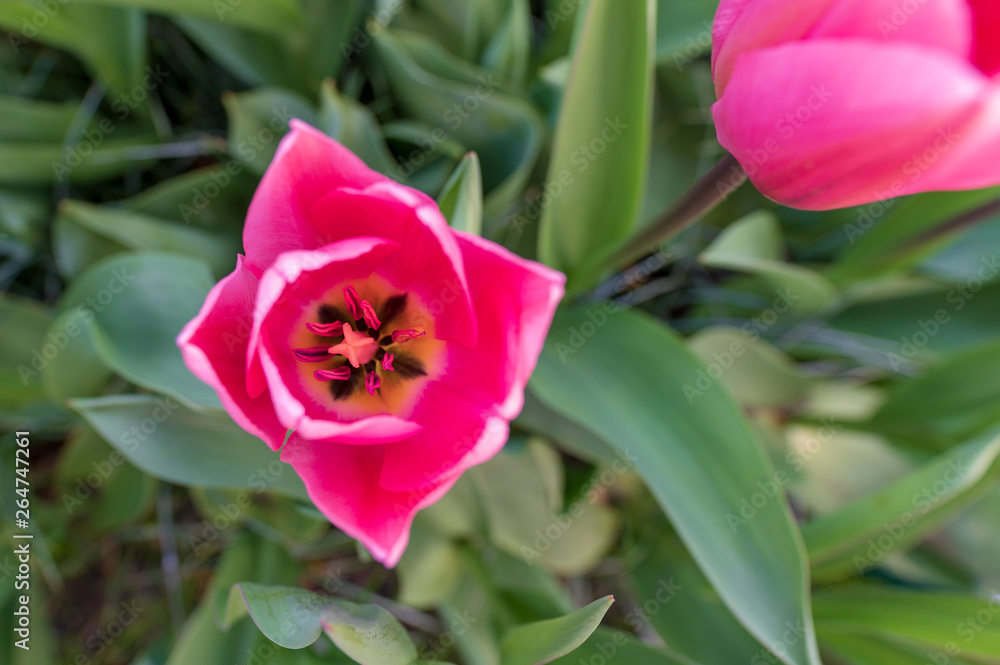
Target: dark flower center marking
368,348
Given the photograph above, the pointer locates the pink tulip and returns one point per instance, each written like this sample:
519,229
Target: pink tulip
834,103
395,347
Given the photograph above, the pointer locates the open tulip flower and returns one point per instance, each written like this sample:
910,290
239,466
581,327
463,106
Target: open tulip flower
394,348
834,103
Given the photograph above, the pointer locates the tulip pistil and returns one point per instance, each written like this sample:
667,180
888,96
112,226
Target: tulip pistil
367,351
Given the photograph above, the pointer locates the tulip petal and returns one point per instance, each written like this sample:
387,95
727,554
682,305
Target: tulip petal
743,26
429,262
307,166
465,412
834,124
342,481
214,345
458,433
986,46
515,302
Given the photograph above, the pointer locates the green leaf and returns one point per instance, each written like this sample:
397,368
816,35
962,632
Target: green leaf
203,642
139,303
23,324
613,372
465,104
947,403
754,245
600,156
963,626
295,619
607,646
461,201
855,649
142,232
526,518
676,600
111,41
288,617
856,538
510,48
281,17
544,641
34,121
752,370
188,447
354,125
258,120
46,163
882,229
683,31
76,370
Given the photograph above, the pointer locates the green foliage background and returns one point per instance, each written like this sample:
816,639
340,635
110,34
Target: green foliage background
773,440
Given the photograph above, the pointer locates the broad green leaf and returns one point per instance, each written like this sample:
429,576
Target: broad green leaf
186,447
281,17
754,245
294,619
600,156
544,641
34,121
678,602
213,196
755,372
45,163
76,370
288,617
461,201
947,403
142,232
23,215
203,642
527,518
111,41
467,104
351,123
607,646
258,120
614,372
139,304
855,539
964,626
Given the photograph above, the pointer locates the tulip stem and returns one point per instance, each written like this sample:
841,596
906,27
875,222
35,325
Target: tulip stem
960,223
712,189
